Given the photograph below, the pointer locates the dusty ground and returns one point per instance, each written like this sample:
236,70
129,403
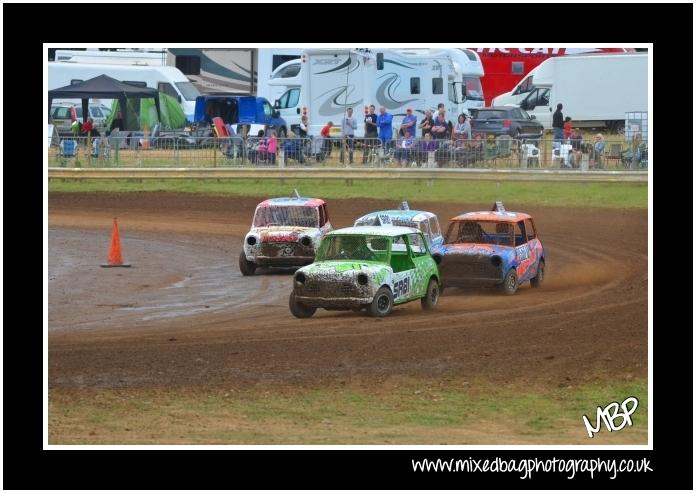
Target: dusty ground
184,316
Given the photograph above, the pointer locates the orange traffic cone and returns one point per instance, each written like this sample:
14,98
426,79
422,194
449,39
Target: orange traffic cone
115,259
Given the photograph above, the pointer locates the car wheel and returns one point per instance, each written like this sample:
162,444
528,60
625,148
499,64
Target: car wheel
509,285
382,303
247,268
539,278
432,295
300,310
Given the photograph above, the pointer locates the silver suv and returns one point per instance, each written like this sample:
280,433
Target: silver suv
62,118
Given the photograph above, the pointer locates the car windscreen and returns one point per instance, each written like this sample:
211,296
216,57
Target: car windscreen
490,114
481,232
291,215
474,91
61,112
354,247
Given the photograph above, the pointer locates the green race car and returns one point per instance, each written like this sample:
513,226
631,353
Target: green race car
367,267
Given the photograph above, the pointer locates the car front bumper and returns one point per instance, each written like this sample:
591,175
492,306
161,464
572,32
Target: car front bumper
333,303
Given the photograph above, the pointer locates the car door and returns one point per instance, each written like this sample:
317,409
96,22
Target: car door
404,269
288,104
524,255
423,264
536,249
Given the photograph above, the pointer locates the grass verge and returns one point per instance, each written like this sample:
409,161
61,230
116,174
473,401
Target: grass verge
413,412
620,195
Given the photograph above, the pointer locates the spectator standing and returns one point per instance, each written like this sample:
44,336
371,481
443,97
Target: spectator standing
576,143
409,123
304,127
567,128
117,123
371,123
462,130
426,124
441,133
349,125
272,147
441,111
370,131
558,124
439,129
326,134
384,124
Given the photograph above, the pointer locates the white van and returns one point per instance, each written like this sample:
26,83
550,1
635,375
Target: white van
168,80
596,90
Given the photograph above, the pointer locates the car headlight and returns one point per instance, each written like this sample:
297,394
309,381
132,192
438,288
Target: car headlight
300,278
362,279
306,241
251,240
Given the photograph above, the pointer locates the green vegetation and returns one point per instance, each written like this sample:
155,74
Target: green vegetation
622,195
414,412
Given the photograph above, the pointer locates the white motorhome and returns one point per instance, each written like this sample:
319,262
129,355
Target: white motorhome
168,80
596,90
334,79
283,78
468,64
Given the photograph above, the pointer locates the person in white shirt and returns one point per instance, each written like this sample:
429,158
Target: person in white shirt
349,125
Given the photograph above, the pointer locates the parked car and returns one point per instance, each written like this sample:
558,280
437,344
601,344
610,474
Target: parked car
424,221
63,114
505,120
285,232
367,267
494,247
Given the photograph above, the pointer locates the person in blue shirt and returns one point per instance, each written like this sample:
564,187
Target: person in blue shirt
384,124
409,123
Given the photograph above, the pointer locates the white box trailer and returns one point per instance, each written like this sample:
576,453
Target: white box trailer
595,90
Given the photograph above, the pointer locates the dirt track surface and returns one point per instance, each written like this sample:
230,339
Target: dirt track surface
184,316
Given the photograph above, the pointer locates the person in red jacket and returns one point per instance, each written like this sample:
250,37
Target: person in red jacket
87,127
326,134
567,128
326,130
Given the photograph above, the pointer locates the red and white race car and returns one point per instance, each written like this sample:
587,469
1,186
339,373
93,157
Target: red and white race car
285,232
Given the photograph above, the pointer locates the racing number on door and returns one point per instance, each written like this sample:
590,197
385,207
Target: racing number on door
522,252
402,287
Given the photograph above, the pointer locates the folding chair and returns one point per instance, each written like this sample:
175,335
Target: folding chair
615,152
529,153
561,153
67,149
